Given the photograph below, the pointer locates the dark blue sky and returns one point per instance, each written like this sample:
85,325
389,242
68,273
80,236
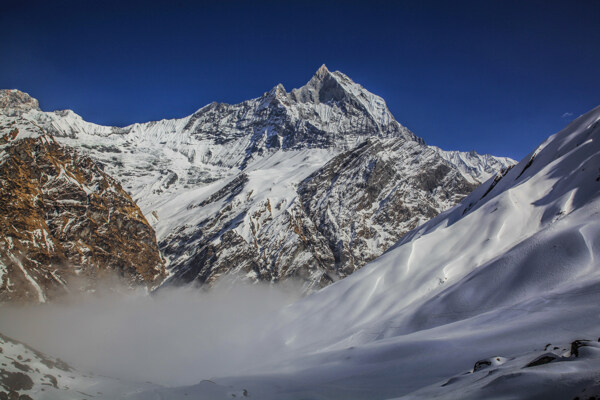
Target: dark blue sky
497,77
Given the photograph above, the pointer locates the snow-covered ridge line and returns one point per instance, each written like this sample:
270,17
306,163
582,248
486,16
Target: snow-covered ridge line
264,230
475,167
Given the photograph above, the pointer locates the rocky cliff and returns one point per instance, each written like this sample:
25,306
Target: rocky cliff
64,224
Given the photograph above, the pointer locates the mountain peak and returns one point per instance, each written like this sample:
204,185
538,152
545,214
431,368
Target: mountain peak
321,88
278,93
322,72
278,90
16,101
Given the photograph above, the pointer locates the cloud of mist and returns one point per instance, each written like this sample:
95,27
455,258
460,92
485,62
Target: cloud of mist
175,337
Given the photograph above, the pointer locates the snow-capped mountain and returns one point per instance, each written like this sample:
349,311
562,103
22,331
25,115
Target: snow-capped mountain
496,297
474,166
228,188
490,298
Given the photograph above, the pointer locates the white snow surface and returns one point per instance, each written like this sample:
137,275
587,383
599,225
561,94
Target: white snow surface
512,268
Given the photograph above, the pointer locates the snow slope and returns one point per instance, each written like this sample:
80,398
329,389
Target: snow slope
27,374
496,279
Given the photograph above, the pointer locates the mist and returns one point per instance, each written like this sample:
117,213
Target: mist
175,337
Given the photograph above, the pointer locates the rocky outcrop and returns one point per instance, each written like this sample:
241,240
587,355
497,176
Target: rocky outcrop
365,200
281,244
24,371
64,224
14,102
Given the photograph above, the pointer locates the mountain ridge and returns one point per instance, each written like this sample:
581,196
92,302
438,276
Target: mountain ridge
275,141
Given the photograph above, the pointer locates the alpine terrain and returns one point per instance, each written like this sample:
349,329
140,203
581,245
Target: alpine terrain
496,297
309,184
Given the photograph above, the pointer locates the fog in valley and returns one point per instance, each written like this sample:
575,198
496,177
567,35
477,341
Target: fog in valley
177,336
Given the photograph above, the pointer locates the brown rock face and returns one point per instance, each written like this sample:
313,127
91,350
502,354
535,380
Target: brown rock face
64,223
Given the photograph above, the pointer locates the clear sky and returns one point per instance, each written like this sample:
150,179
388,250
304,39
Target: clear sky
492,76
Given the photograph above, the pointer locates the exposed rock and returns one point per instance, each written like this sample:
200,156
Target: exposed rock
489,362
543,359
15,102
45,377
577,344
365,200
481,364
15,381
64,222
